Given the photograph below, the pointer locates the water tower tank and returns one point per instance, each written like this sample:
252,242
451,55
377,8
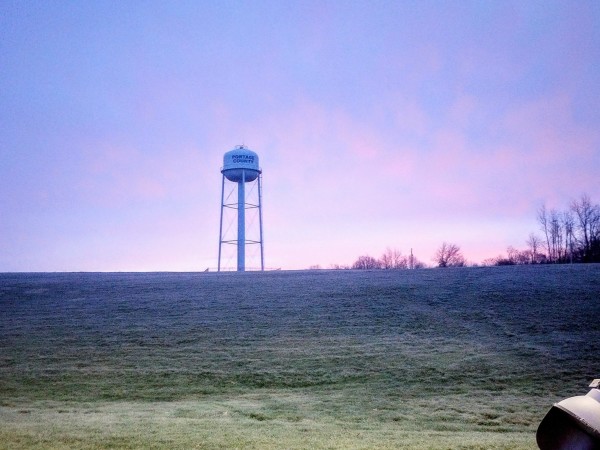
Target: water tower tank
240,164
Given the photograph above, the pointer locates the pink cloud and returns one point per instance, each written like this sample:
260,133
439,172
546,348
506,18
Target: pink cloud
119,174
327,170
554,149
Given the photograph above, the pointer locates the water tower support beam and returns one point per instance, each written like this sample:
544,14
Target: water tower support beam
260,222
221,223
241,241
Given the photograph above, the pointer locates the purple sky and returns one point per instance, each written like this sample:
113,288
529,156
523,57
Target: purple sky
378,124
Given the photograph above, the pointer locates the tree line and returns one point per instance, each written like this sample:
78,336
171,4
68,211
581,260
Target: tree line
392,259
448,255
568,236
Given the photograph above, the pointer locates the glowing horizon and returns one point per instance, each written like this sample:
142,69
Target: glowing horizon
397,125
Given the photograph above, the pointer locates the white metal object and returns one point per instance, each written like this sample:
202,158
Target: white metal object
240,166
573,423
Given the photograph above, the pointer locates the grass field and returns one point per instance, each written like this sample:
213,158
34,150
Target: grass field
467,358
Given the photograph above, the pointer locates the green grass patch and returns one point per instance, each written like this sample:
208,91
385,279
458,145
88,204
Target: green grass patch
430,359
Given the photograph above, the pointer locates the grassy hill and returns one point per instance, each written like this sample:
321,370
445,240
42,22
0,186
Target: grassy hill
435,358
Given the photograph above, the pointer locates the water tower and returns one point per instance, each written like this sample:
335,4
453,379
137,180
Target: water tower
240,166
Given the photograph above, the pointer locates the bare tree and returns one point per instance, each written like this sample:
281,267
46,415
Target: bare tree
544,226
449,255
366,262
492,261
516,256
417,263
512,254
569,227
556,235
587,218
387,259
557,228
534,243
393,259
572,235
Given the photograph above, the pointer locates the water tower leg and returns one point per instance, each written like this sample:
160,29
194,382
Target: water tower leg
221,223
241,241
260,222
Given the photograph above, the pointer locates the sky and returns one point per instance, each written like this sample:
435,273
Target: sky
378,124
